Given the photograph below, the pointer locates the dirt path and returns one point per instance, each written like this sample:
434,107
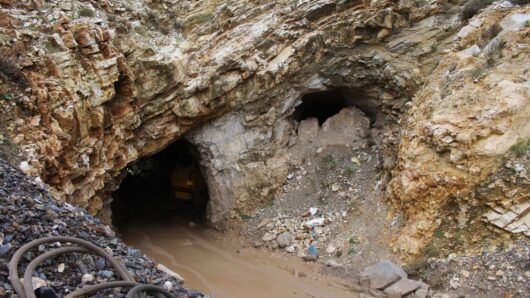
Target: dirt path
218,267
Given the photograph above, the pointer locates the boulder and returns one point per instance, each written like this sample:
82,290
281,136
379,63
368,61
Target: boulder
382,274
284,239
308,129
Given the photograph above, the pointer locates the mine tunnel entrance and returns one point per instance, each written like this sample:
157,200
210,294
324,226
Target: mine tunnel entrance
163,186
320,105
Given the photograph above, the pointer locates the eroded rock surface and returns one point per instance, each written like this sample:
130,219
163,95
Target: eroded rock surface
470,121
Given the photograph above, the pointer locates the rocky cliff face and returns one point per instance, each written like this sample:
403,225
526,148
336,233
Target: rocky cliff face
107,83
469,126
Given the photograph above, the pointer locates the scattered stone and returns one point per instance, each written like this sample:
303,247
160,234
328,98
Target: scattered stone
499,273
333,263
134,252
168,285
86,278
465,273
36,282
169,272
331,249
268,237
100,264
421,293
263,223
402,287
454,282
60,268
106,274
4,249
284,239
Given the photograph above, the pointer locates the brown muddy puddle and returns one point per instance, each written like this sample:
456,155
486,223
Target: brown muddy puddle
221,268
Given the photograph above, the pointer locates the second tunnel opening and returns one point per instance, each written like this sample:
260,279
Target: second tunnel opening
320,105
162,186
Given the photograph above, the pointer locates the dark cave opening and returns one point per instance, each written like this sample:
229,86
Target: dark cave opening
162,186
320,105
325,104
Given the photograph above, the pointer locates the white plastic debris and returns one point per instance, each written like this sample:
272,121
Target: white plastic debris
315,222
313,211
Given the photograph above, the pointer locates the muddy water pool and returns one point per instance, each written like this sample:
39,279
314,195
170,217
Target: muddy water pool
214,264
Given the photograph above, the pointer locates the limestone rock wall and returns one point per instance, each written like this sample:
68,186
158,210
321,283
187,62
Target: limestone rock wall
109,82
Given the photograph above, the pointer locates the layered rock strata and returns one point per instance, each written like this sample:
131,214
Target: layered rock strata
108,83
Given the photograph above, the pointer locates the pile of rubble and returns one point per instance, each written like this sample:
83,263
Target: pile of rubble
301,234
29,212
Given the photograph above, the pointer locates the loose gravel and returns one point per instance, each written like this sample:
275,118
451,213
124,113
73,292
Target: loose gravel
28,212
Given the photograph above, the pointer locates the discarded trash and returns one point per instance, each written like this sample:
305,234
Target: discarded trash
313,211
312,251
315,222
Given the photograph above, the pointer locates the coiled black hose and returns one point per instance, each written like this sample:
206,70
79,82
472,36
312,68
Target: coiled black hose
25,289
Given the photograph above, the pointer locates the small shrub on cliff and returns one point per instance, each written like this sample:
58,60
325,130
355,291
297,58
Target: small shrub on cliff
244,216
477,73
10,68
520,2
329,161
438,233
431,251
86,12
522,148
472,7
8,95
351,170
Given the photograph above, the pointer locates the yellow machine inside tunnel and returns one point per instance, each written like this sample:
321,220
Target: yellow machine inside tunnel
186,181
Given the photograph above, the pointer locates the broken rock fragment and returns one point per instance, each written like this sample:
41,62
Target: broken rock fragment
403,287
284,239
